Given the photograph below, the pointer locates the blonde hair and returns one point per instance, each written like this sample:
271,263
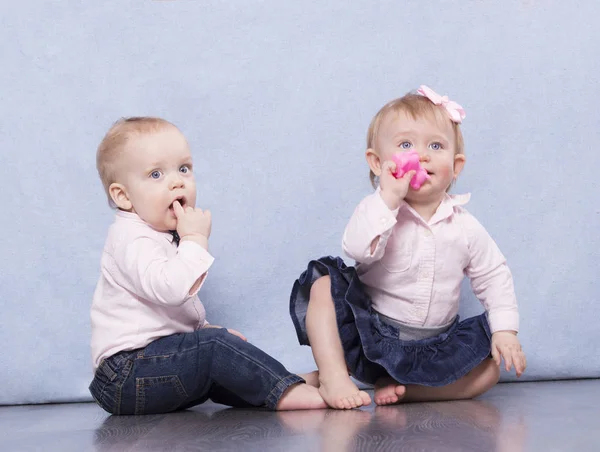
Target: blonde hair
112,145
416,106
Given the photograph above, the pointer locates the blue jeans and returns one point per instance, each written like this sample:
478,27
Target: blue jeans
183,370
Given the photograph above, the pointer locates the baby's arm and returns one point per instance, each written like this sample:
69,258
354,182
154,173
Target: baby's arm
368,230
492,283
143,267
193,224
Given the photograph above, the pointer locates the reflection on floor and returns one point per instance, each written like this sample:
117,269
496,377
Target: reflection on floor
553,416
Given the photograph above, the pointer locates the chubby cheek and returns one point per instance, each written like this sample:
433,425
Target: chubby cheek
191,198
446,172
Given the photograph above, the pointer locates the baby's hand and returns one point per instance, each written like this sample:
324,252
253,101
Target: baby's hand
193,224
393,190
237,333
506,345
229,330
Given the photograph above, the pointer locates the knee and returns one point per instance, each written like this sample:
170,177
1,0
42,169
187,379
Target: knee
487,376
492,371
321,289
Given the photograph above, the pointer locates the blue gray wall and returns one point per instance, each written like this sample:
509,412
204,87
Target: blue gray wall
275,98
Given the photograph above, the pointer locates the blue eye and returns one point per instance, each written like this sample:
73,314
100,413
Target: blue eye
406,145
185,169
155,174
435,146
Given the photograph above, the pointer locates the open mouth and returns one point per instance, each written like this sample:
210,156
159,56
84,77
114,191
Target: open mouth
180,199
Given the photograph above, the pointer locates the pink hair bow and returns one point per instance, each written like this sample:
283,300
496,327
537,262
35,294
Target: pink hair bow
455,111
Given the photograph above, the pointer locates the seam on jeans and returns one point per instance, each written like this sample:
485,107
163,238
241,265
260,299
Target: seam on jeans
119,387
139,358
140,396
150,381
249,357
102,390
143,382
96,400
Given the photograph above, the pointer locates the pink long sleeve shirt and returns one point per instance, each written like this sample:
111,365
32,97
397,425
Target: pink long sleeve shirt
143,290
414,273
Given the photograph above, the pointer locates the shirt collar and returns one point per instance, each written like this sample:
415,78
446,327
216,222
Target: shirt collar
446,207
121,215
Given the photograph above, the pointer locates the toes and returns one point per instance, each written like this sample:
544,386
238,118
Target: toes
347,403
352,401
386,399
366,399
400,390
357,400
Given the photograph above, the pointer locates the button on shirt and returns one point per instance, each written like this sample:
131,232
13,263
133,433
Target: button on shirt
143,290
415,272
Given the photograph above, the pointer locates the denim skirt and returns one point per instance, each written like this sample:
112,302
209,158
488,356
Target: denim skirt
373,348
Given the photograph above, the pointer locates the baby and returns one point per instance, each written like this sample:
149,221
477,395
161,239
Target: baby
153,350
392,320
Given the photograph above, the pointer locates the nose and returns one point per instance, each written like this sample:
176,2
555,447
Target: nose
176,182
423,156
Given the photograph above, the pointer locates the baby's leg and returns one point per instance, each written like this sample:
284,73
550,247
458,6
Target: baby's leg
311,378
336,387
218,365
301,396
475,383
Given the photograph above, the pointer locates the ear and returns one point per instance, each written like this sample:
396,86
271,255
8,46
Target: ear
374,161
119,196
459,164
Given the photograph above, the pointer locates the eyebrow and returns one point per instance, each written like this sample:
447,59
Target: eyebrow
440,137
158,164
434,136
402,132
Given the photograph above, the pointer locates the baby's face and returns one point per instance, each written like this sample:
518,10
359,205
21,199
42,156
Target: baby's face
156,171
435,142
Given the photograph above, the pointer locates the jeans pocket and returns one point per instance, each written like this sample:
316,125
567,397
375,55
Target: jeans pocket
154,395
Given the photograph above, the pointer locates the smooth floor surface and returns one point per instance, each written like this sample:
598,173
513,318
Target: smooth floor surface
551,416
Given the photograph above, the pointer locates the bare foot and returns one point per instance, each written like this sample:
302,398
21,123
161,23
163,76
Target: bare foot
311,378
301,397
388,391
342,394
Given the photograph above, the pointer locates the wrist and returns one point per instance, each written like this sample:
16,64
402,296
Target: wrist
200,239
514,333
391,201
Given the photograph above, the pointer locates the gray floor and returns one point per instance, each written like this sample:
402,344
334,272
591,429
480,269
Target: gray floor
557,416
